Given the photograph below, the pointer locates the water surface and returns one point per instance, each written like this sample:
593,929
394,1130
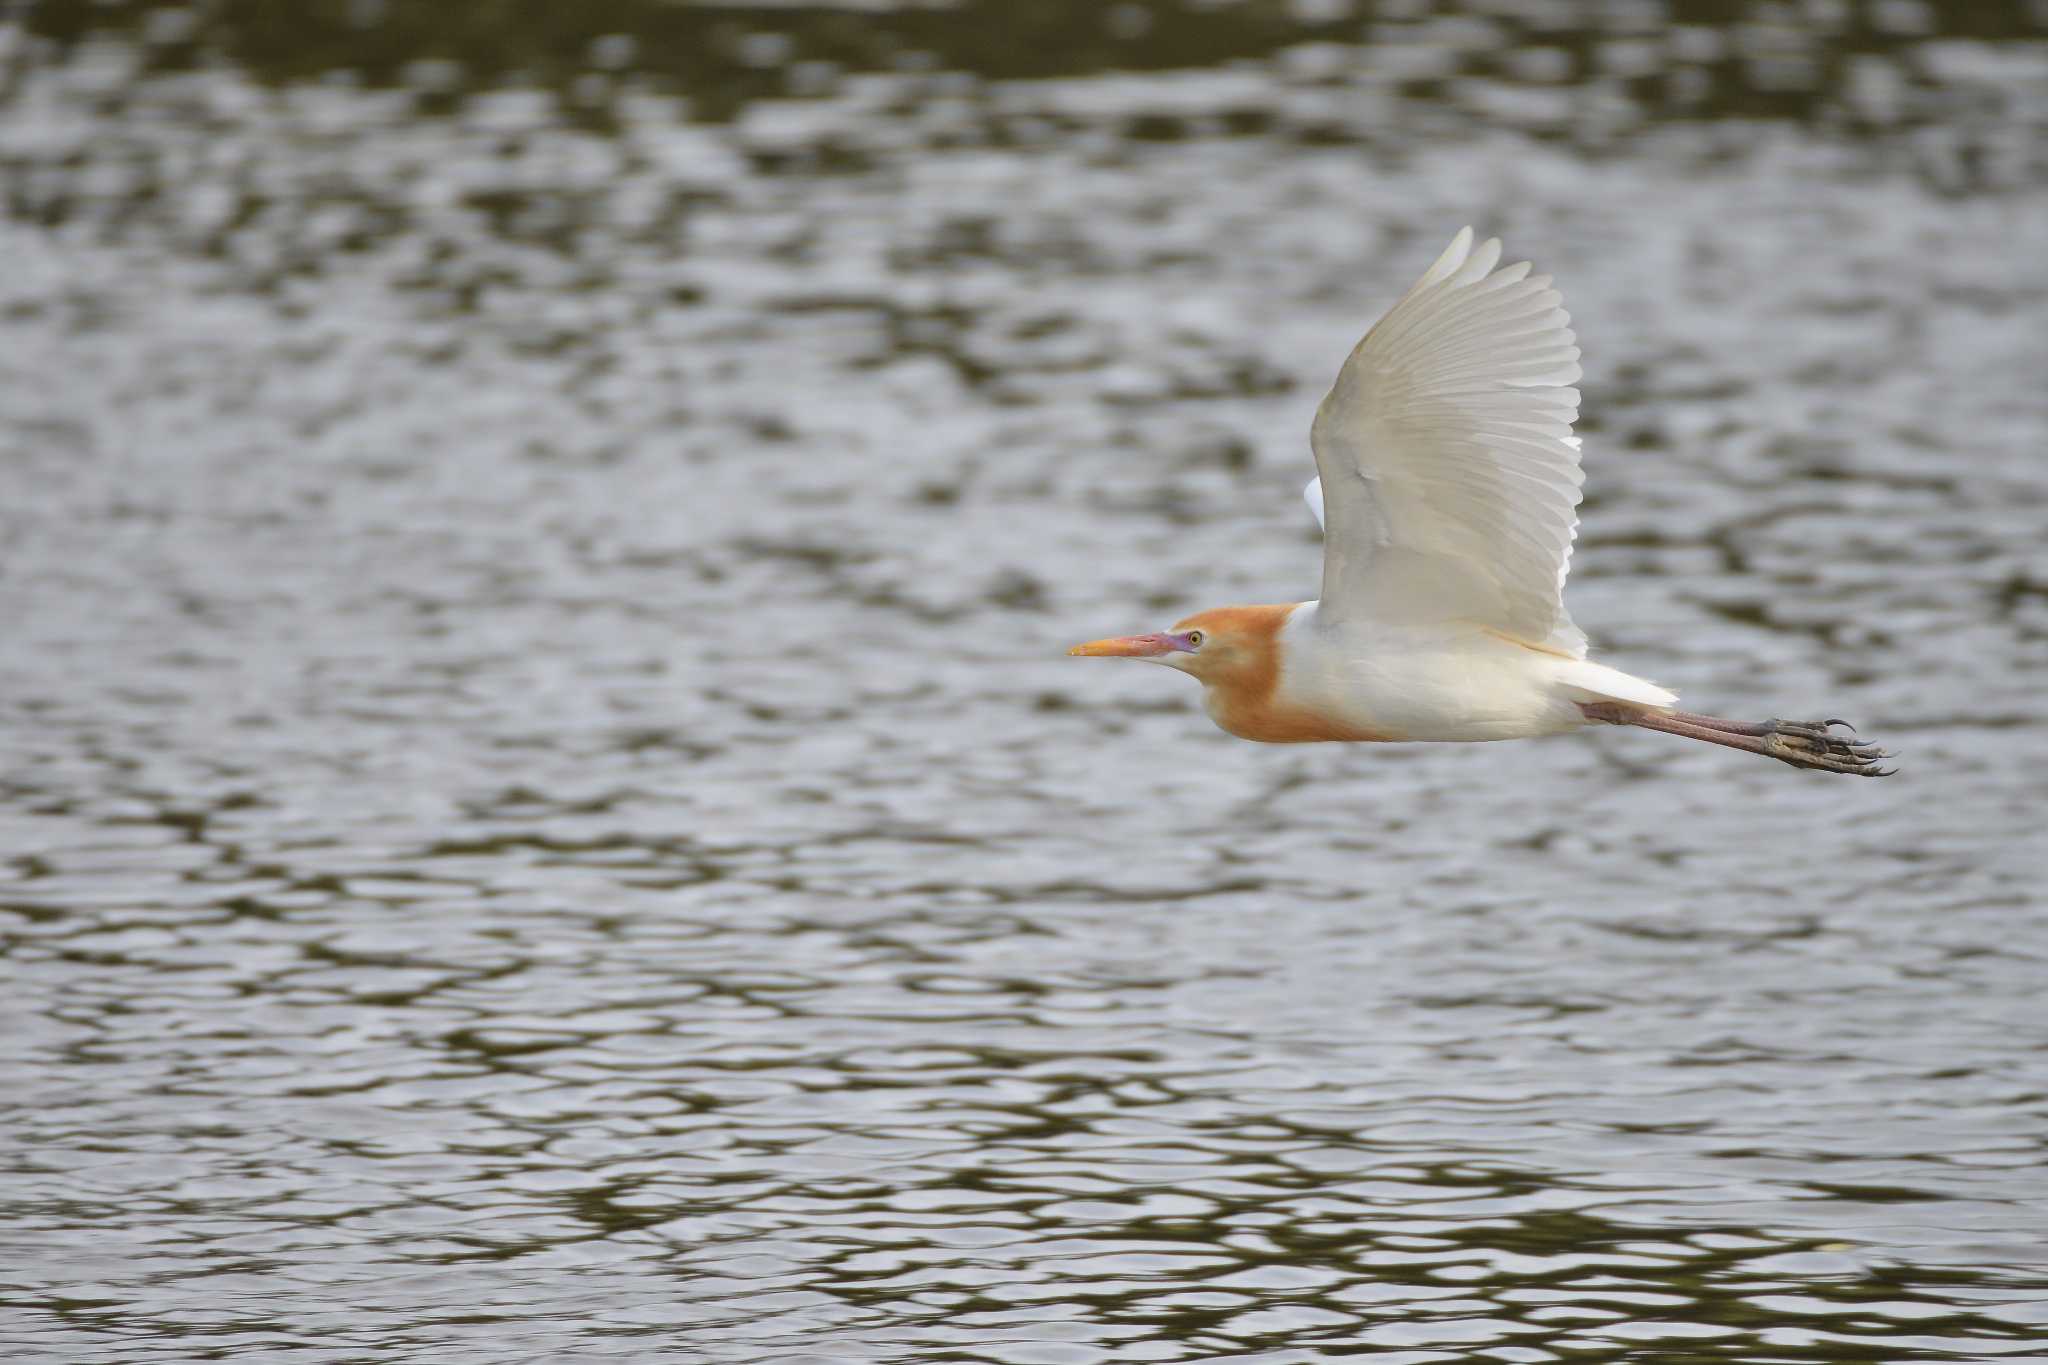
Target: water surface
542,814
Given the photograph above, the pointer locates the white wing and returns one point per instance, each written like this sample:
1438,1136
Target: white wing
1314,494
1447,458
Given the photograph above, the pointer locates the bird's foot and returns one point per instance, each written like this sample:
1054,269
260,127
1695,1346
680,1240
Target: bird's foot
1813,744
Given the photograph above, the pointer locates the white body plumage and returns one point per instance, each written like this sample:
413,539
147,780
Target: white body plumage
1432,683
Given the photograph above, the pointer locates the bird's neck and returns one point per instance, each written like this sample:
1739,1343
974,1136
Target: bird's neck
1247,694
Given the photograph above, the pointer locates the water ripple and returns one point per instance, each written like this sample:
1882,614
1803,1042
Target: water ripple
541,814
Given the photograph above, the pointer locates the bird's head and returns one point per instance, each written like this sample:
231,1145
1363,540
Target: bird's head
1237,645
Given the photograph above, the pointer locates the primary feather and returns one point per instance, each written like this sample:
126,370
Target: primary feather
1449,477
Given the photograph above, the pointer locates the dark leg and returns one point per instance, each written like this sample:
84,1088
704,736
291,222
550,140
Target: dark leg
1813,729
1803,744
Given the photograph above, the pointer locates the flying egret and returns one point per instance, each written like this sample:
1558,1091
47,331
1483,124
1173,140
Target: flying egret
1448,488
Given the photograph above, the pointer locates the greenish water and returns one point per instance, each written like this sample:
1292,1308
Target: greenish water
542,814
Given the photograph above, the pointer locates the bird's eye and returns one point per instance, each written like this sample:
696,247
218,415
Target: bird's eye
1194,639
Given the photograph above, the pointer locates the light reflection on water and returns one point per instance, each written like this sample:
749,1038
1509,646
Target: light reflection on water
541,814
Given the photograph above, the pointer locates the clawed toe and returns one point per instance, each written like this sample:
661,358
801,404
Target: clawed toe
1811,746
1817,732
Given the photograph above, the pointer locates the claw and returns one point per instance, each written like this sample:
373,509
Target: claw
1814,737
1802,745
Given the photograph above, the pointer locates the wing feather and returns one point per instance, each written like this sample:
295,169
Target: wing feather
1449,477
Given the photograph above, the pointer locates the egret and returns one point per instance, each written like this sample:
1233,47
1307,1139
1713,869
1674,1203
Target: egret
1448,489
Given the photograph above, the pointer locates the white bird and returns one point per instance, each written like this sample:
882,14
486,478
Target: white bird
1448,491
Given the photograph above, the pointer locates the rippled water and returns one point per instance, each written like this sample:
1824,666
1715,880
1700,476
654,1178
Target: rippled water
541,811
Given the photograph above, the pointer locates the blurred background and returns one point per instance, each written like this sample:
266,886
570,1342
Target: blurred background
542,814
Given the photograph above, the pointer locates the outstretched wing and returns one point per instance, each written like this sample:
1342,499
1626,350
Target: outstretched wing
1449,472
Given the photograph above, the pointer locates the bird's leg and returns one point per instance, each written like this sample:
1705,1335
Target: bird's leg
1815,729
1803,744
1815,732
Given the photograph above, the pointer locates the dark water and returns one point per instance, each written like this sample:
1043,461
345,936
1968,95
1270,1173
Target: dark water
542,816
